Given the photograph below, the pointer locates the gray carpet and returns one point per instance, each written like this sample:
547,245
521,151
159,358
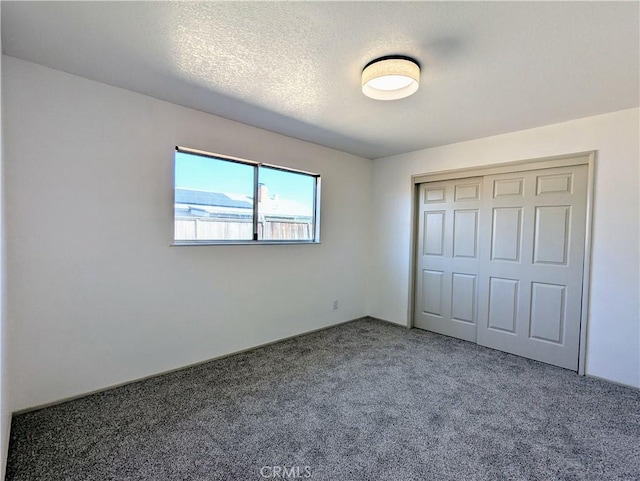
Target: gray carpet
362,401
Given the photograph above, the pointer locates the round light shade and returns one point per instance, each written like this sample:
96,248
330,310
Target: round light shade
390,78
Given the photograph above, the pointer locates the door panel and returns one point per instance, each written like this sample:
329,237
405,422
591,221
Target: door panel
434,233
465,192
506,234
530,286
551,235
501,261
448,233
503,304
547,312
465,233
508,187
432,292
463,298
547,184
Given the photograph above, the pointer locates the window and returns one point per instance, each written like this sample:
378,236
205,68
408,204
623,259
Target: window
224,200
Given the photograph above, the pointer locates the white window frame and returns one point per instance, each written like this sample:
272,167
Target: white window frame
256,166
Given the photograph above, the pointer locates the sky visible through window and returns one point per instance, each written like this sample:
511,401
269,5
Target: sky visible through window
203,173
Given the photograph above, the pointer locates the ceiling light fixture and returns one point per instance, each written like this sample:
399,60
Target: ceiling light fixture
390,78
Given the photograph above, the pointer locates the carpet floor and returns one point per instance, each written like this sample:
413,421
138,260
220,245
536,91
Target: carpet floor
365,400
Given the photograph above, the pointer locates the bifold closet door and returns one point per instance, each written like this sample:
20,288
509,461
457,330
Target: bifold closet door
447,257
531,263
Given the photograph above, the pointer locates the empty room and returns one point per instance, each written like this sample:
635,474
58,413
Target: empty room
320,240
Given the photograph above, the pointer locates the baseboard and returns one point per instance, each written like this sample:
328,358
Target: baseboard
629,386
6,434
388,322
615,383
181,368
188,366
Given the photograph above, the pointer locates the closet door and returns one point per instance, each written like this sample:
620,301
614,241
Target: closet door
447,260
530,269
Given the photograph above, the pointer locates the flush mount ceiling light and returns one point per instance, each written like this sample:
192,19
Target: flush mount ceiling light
390,78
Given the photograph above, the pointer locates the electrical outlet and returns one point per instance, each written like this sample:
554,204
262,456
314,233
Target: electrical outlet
335,305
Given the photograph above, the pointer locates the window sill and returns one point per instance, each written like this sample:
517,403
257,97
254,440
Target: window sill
240,243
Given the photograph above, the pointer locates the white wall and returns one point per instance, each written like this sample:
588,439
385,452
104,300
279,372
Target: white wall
96,296
613,344
5,412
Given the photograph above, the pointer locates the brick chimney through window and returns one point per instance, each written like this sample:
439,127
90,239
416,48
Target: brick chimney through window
263,192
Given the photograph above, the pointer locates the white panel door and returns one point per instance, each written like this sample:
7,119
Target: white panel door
531,263
447,260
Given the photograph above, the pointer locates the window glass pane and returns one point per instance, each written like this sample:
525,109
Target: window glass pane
213,199
286,205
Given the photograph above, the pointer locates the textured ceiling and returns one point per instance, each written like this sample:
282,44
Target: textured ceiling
294,67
